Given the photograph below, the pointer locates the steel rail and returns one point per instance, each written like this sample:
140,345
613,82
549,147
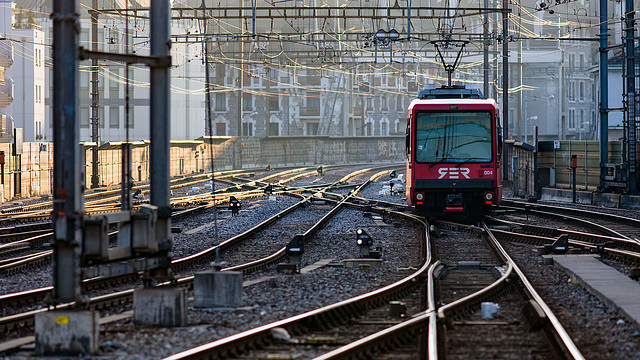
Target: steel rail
575,235
382,341
570,350
357,304
592,245
40,258
36,210
562,211
566,345
27,296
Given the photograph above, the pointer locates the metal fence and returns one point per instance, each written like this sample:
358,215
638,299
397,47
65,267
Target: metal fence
554,162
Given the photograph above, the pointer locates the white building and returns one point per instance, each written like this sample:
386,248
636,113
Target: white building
24,56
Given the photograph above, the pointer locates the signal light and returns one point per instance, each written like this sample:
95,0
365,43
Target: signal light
234,205
364,87
363,239
412,86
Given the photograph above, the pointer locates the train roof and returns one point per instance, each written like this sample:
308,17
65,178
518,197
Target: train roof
458,101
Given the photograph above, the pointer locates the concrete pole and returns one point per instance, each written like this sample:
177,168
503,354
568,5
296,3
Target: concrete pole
268,102
67,192
95,99
505,77
485,41
604,93
160,125
207,73
631,92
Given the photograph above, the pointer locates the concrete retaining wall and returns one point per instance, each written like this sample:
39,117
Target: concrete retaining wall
32,171
592,198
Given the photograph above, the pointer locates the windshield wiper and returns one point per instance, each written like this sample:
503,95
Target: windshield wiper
469,159
438,162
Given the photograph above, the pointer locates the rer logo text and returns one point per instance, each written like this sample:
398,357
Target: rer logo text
453,173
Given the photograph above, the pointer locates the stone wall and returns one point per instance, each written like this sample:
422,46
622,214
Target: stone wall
33,169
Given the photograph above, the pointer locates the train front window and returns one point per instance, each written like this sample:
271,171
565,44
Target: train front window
461,136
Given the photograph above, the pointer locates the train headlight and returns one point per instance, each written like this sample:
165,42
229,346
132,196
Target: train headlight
419,196
488,198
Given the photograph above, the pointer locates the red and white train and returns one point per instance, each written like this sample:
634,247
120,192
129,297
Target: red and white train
453,152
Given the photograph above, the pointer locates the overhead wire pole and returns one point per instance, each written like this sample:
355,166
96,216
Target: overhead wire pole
485,42
95,99
604,94
126,181
209,130
67,195
631,92
505,81
159,148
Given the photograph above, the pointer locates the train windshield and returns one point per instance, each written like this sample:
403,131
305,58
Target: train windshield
461,136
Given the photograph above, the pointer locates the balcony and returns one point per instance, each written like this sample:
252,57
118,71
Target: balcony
6,93
6,53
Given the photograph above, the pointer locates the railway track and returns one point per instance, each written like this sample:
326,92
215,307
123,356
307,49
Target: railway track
450,330
21,320
44,236
609,224
329,326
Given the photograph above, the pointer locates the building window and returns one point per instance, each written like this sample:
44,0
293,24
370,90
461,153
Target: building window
313,100
384,129
399,104
274,129
114,117
221,102
274,103
247,102
581,90
383,104
572,119
84,117
247,129
221,129
220,71
312,128
572,61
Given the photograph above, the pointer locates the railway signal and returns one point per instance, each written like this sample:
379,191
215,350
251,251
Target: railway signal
234,205
320,171
412,86
295,249
364,241
364,87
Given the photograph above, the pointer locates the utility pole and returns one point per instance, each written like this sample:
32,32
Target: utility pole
505,80
67,196
485,42
160,15
604,93
268,101
241,83
631,92
208,126
95,99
